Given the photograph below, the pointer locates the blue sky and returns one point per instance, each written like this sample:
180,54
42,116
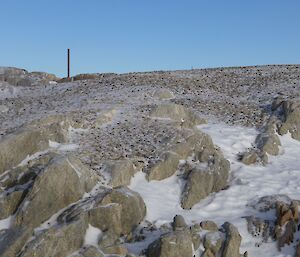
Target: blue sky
141,35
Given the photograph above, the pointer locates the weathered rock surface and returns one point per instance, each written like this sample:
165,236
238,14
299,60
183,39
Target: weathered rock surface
194,142
119,172
12,241
282,227
182,241
89,251
133,209
21,77
291,118
57,241
176,244
165,168
179,223
177,113
268,142
213,241
30,139
209,225
202,181
232,242
9,203
63,182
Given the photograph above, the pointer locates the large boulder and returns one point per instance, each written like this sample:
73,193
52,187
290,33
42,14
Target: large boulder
119,172
115,211
268,141
12,241
30,139
121,210
291,119
62,182
9,203
233,241
203,180
178,114
174,244
58,241
193,142
165,167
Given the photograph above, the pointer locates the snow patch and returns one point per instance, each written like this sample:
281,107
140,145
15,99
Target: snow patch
280,176
5,223
92,236
63,147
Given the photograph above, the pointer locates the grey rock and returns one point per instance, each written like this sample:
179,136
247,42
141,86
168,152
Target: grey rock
118,249
178,114
176,244
196,238
12,241
109,238
9,203
179,223
209,225
119,171
268,143
30,139
250,157
291,120
232,242
214,241
90,251
203,181
207,253
58,241
121,210
63,182
166,167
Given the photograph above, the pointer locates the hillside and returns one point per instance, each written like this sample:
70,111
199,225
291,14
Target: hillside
187,163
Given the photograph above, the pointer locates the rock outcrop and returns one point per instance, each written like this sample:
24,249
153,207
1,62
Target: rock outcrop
290,110
120,210
57,241
175,244
282,227
119,172
178,114
184,241
29,140
23,78
63,182
205,178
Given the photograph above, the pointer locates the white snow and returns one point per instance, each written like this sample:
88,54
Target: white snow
280,176
62,147
32,157
5,223
92,236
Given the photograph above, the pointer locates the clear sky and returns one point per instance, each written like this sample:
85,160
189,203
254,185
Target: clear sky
142,35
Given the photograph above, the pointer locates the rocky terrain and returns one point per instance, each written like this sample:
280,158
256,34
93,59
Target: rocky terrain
132,165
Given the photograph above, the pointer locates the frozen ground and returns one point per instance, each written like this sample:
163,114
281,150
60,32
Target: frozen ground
248,183
114,122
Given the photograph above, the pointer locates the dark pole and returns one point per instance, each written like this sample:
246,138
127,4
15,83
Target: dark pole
68,63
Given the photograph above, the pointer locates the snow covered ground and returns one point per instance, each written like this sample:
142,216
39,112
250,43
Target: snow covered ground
248,183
